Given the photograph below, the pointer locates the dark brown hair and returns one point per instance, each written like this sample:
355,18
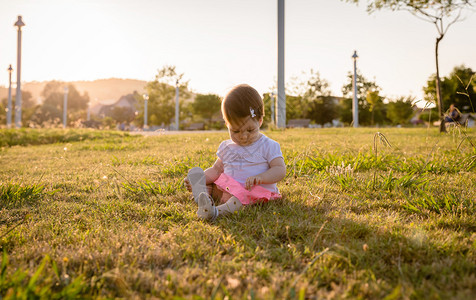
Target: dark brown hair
242,101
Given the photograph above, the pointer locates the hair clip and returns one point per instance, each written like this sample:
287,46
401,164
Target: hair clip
252,112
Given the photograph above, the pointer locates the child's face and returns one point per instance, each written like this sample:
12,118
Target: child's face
245,132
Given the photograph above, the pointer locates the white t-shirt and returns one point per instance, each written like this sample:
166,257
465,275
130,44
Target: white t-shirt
241,162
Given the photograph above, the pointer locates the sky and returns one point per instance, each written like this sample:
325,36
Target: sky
217,44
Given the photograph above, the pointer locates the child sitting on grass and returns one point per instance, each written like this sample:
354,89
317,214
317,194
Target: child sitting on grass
249,164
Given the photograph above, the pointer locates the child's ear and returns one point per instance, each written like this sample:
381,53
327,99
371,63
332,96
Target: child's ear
260,121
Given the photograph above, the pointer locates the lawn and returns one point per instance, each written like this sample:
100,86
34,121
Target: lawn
366,213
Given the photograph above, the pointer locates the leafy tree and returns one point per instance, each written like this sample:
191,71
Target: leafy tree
458,88
122,114
53,94
206,106
316,86
311,99
28,108
51,110
322,110
400,111
345,111
363,87
47,114
320,106
376,105
296,107
161,91
429,116
442,13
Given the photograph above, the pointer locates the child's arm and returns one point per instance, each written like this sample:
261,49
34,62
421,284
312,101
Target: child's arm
275,173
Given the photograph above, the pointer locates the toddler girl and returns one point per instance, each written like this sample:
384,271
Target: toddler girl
249,164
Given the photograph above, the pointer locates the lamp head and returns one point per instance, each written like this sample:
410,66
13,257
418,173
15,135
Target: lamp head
355,55
10,69
19,23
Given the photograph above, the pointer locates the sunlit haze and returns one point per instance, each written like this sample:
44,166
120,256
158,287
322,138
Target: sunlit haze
218,44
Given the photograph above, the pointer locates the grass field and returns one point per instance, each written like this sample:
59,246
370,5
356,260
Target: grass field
389,215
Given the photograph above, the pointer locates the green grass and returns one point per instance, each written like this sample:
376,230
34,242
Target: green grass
27,137
96,214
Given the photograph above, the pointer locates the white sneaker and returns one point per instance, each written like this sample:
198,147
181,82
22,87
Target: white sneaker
206,209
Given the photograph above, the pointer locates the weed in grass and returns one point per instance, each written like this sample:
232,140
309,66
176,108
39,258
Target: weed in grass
423,202
16,195
390,182
149,188
341,175
19,221
379,137
45,283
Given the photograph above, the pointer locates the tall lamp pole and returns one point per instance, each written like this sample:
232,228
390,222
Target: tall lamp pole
355,102
19,23
9,107
177,106
146,98
281,105
65,106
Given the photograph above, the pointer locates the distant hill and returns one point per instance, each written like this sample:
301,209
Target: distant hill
102,90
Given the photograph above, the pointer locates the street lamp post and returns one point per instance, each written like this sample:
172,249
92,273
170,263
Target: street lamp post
65,106
177,106
146,98
9,105
19,23
281,103
355,102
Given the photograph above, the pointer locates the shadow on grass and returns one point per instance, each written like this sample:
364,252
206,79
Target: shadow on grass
311,250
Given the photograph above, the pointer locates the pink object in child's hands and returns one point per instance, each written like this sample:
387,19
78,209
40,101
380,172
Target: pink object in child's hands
256,194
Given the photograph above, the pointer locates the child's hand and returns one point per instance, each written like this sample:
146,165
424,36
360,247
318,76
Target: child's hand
252,181
187,184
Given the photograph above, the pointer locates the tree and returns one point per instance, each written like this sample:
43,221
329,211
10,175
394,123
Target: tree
296,107
316,86
458,88
401,110
122,114
206,106
53,94
442,13
51,110
322,110
375,102
161,91
311,99
345,110
28,108
47,113
363,87
321,106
